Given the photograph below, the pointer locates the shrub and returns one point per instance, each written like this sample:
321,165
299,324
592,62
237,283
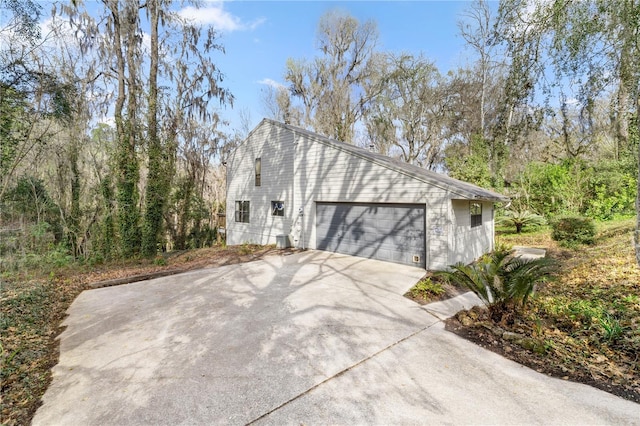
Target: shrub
59,257
426,288
520,219
553,188
501,280
612,188
573,230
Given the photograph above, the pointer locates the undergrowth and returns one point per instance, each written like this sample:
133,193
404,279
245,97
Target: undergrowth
589,316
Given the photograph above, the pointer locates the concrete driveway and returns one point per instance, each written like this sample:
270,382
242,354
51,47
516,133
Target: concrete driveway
314,338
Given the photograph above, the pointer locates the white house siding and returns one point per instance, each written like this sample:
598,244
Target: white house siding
438,230
328,174
301,169
274,146
467,243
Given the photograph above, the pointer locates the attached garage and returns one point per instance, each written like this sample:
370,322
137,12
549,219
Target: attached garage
390,232
285,183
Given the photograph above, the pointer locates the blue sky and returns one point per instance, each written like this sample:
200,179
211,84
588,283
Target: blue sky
259,36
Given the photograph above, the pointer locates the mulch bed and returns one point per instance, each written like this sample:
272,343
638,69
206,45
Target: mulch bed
489,336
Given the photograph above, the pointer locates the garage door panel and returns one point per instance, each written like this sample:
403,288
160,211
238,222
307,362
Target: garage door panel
380,231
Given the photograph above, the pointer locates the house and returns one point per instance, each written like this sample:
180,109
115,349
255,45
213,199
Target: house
328,195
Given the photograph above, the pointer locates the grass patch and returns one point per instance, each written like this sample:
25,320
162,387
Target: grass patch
433,288
427,289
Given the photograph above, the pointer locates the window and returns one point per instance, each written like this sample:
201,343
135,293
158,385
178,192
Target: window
258,171
476,214
242,211
277,208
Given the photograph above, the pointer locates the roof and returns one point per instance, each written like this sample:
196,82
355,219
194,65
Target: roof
464,190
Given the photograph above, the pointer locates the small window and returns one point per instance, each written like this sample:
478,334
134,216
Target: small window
258,171
242,211
476,214
277,208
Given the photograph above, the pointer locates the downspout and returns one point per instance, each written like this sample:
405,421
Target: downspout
296,143
226,204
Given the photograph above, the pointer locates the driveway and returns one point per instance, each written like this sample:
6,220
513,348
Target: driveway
310,338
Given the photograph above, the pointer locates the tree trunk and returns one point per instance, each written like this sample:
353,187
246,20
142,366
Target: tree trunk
156,190
637,233
74,223
128,161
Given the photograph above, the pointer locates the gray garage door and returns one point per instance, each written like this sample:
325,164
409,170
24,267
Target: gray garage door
391,232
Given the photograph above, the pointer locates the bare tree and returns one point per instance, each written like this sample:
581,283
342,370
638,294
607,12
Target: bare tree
476,29
411,110
336,87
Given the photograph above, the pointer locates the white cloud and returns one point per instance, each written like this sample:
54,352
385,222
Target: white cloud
219,18
272,83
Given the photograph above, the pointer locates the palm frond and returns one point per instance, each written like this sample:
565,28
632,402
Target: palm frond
500,278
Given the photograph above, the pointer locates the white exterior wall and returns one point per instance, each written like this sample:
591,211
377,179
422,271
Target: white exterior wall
274,146
301,170
325,173
467,243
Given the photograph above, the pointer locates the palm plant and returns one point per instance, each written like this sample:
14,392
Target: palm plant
501,280
520,219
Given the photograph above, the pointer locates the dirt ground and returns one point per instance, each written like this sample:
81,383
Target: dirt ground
582,325
489,336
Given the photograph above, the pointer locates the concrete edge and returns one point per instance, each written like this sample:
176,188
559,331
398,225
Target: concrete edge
135,278
445,309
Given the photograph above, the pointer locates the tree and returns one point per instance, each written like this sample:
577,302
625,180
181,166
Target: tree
476,31
276,104
521,32
32,97
25,15
410,111
614,29
336,88
187,209
179,84
190,128
156,191
480,92
468,162
122,25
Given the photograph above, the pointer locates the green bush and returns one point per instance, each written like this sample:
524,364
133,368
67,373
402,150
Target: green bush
552,189
571,231
426,288
612,189
501,280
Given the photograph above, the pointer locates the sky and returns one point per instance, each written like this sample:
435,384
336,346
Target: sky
259,37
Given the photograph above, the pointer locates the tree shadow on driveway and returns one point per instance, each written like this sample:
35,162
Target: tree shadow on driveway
225,345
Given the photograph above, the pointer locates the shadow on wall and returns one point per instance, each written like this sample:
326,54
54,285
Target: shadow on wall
327,175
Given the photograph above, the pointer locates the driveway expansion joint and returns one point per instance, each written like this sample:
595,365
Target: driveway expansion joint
340,373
